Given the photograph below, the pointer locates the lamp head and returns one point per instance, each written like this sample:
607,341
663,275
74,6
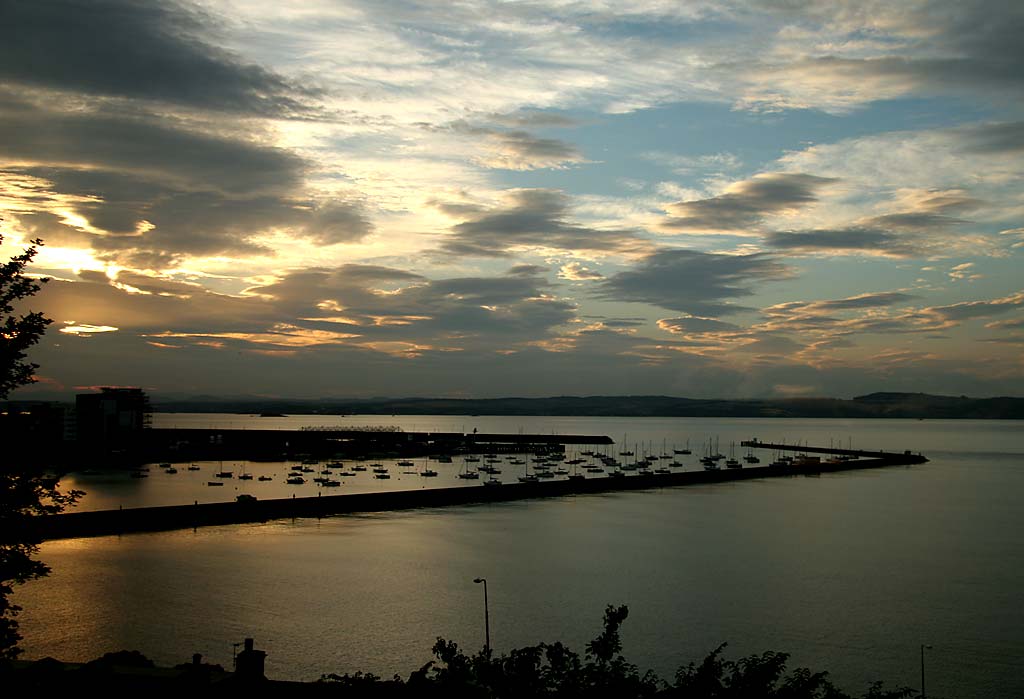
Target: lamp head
478,580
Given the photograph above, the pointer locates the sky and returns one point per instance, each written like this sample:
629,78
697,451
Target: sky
331,198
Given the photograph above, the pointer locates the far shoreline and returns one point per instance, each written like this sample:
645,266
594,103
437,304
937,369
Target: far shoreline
876,405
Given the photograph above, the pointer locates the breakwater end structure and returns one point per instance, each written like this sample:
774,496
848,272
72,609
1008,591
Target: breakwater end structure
112,522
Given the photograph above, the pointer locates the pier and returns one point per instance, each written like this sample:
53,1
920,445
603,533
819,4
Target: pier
113,522
154,445
857,453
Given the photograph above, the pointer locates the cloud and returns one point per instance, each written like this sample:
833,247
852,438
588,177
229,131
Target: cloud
903,234
574,271
979,309
531,118
964,272
623,323
745,204
693,282
874,317
871,300
526,270
829,317
535,218
1007,137
836,57
336,222
151,192
1015,323
519,150
368,306
514,149
142,145
1015,233
693,325
150,51
381,303
688,164
845,240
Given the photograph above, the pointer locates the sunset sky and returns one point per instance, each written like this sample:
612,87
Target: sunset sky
333,198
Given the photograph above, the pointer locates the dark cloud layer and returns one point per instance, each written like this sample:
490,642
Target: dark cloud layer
693,282
142,145
535,218
845,239
995,138
746,203
141,50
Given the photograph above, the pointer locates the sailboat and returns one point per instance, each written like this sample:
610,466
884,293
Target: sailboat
731,462
527,477
428,472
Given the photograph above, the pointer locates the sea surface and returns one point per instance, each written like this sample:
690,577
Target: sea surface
849,572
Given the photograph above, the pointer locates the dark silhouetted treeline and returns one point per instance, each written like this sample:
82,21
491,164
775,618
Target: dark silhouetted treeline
553,670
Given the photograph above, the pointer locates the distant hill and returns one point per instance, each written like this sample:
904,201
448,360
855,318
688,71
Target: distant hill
874,405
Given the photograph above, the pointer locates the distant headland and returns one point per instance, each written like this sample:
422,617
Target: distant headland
874,405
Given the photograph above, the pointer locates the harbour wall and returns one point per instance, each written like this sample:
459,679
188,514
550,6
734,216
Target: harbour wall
149,519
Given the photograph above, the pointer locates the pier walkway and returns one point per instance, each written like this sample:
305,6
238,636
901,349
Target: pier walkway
859,453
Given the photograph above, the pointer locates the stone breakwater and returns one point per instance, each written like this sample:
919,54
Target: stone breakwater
124,521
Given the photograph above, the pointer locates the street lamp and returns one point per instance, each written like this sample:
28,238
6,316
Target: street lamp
487,618
923,646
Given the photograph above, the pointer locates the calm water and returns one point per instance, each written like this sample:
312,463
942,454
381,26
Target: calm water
847,572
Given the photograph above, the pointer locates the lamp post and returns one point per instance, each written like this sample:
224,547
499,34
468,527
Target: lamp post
487,618
923,646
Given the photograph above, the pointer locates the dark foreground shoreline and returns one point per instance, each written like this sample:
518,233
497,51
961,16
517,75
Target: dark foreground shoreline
109,522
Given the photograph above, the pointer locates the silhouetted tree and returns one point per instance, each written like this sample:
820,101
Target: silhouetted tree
18,332
24,492
553,671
